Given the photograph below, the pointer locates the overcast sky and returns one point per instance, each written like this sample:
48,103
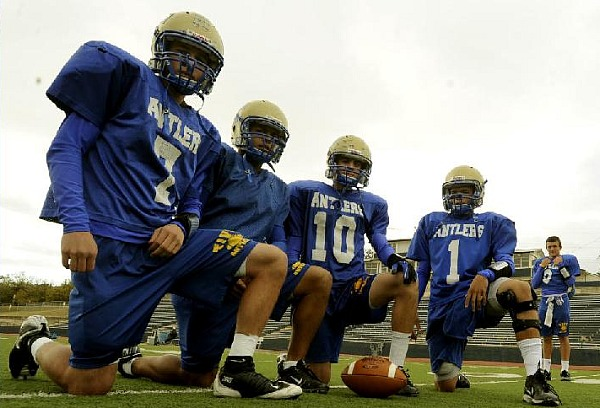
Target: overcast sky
510,87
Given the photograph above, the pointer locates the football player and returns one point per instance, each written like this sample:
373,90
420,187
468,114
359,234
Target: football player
327,227
126,167
243,196
471,257
555,274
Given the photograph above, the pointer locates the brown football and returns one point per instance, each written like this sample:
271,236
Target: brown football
373,377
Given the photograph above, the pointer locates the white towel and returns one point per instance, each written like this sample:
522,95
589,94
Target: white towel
550,301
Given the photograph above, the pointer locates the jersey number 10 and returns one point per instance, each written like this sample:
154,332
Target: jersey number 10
342,256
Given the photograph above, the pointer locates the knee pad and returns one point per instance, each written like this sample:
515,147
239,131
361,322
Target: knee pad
519,325
447,371
508,300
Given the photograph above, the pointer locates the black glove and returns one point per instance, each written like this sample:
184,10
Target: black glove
571,291
397,264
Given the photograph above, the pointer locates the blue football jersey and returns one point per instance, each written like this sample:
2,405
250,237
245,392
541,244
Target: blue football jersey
455,249
328,228
231,185
551,280
148,158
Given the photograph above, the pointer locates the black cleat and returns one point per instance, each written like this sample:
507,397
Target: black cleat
125,361
463,381
238,379
548,375
410,390
20,360
302,376
538,392
565,375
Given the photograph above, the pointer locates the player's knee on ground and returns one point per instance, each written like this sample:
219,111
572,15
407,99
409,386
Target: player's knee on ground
202,380
91,382
446,376
517,302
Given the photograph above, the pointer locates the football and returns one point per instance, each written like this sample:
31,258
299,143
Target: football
373,377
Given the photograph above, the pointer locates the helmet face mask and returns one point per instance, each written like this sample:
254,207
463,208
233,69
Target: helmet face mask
463,190
260,131
187,53
344,150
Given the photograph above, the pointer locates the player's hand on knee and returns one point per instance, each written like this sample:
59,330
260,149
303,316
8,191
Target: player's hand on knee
476,296
166,240
79,251
399,264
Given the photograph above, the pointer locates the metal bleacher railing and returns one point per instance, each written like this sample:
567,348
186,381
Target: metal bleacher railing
584,330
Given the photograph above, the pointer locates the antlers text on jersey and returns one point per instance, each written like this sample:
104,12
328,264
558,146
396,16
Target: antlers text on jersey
186,136
320,200
466,230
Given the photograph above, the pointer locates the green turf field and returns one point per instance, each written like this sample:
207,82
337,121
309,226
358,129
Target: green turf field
492,387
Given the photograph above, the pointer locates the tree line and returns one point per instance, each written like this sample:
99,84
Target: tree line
21,290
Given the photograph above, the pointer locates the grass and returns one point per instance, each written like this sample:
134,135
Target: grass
492,387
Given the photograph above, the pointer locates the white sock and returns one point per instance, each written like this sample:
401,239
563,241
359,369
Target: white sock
288,364
243,345
531,350
399,348
546,364
35,346
564,365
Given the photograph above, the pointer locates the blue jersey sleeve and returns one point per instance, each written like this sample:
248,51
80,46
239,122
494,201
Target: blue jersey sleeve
65,157
377,231
538,272
504,242
423,274
418,249
572,264
94,81
294,224
214,176
278,237
192,201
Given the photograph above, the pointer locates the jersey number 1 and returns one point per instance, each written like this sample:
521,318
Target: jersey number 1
453,249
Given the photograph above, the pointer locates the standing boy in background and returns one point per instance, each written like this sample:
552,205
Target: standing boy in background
555,274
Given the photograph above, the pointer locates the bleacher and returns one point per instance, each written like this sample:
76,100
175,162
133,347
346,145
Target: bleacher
584,331
163,316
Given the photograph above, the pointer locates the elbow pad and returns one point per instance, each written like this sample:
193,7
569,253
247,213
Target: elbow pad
501,269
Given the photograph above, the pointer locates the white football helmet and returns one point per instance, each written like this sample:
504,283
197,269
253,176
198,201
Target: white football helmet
463,176
260,130
355,148
191,30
